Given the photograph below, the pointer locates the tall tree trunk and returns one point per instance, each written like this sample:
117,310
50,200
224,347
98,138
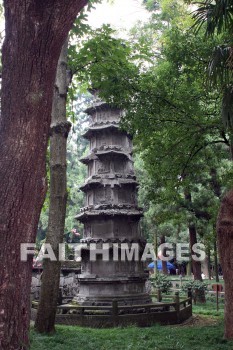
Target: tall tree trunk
196,265
156,252
209,263
35,33
45,322
216,186
164,263
225,245
216,258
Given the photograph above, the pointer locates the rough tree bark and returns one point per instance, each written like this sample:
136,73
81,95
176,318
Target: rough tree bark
35,33
60,127
225,245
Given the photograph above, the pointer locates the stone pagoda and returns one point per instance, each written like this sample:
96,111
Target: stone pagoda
111,214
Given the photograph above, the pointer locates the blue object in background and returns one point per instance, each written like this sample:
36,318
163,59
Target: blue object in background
170,266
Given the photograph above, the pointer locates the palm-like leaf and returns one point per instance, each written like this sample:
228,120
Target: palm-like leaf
220,73
218,15
227,107
220,65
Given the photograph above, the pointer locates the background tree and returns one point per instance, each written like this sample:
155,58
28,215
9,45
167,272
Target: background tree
35,33
59,131
60,127
217,19
171,109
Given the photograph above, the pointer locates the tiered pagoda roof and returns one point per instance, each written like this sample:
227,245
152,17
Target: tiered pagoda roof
111,214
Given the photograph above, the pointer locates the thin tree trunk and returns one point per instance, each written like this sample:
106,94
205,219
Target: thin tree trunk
216,261
35,33
156,252
45,321
189,268
164,263
225,245
196,265
209,263
231,146
216,186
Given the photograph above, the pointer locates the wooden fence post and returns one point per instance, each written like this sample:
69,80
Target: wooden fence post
190,295
177,307
82,315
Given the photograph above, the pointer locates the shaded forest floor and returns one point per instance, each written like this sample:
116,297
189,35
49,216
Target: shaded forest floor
203,331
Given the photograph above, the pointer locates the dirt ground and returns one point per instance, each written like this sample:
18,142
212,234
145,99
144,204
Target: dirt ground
197,320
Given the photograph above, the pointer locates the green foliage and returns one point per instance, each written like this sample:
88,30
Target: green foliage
151,5
158,78
104,63
81,26
194,285
139,76
161,281
166,130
